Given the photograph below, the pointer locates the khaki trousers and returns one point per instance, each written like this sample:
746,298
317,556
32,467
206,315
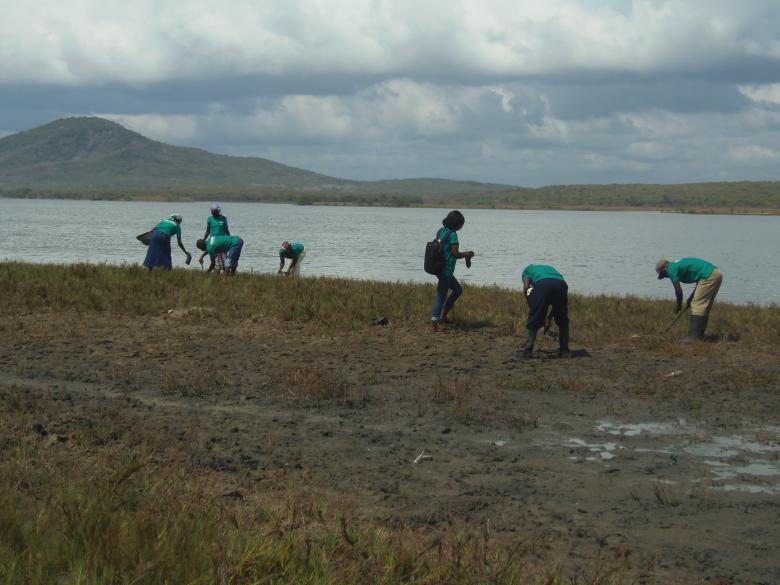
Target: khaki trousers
705,293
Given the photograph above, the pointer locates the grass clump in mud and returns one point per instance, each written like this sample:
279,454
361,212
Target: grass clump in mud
135,521
346,303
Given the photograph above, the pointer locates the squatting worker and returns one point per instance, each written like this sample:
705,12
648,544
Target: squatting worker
708,279
448,235
294,252
216,225
543,286
230,245
159,251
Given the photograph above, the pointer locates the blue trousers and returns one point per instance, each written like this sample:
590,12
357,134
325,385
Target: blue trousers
446,283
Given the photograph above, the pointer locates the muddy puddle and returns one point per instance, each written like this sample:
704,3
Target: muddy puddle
747,462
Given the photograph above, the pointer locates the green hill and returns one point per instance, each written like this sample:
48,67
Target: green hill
93,154
99,159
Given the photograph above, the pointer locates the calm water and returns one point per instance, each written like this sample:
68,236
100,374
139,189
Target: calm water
597,252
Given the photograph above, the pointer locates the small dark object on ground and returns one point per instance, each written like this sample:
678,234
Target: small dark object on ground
381,321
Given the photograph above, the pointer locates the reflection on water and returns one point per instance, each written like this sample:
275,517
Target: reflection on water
598,252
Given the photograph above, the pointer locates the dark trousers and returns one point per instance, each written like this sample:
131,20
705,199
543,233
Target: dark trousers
548,292
446,283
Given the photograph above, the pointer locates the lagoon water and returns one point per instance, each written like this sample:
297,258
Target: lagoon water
597,252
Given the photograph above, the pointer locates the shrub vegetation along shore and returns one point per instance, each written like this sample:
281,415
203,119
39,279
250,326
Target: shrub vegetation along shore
335,302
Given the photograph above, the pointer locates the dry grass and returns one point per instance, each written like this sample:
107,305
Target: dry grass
341,303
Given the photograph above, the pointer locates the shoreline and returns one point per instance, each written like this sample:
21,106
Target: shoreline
347,281
685,210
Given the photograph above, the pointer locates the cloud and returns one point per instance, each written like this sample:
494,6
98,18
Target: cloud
519,91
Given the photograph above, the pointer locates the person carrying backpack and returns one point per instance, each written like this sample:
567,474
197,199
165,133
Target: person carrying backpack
448,238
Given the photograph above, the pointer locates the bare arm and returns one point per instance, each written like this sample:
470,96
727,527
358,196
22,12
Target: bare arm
178,241
211,263
456,253
281,264
526,286
678,293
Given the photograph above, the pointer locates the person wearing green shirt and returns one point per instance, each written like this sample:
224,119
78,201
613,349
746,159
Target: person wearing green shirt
544,287
708,279
294,252
159,251
447,234
216,225
229,245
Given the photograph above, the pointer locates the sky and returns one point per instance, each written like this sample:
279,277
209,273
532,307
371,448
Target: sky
521,92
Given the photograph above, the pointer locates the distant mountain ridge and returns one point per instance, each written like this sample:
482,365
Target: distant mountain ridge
97,154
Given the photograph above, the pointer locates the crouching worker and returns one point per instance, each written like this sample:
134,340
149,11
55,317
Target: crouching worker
543,286
230,245
293,252
708,280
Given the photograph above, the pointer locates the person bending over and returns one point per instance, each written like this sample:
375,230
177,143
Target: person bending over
708,279
295,253
544,287
159,251
230,245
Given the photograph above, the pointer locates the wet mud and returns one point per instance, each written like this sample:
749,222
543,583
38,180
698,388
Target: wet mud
667,462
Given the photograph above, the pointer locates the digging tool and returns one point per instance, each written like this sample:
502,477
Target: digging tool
677,318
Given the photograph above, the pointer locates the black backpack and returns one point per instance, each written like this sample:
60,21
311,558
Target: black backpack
434,254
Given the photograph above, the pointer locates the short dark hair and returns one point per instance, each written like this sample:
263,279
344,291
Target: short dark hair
454,220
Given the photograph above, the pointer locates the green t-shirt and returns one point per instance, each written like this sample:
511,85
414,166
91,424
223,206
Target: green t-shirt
169,227
538,272
217,226
449,259
220,244
688,270
292,252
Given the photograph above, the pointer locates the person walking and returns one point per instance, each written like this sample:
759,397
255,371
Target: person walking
708,279
544,287
294,252
216,225
231,246
448,284
159,251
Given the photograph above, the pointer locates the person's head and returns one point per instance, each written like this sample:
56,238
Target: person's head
176,217
201,245
454,220
661,267
285,246
216,210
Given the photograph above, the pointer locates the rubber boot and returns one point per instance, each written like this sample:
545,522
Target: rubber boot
528,348
696,326
563,342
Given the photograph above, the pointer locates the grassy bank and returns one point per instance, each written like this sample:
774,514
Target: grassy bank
333,302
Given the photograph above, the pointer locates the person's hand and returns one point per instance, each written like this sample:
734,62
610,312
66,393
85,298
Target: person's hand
279,271
470,254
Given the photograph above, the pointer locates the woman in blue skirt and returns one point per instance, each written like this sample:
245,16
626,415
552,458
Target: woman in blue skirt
159,252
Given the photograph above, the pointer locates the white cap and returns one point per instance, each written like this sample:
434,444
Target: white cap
215,207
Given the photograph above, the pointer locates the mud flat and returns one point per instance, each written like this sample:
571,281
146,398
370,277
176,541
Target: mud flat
642,459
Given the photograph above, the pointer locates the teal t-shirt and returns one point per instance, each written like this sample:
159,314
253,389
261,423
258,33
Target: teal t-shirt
220,244
217,226
449,259
538,272
688,270
169,227
293,252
